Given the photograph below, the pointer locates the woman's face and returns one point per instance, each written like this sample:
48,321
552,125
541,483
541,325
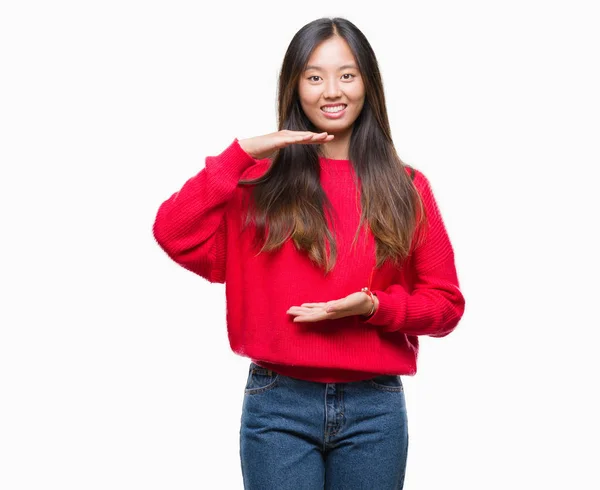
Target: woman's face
332,79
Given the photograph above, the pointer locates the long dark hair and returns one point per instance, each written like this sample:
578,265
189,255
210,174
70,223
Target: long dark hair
288,198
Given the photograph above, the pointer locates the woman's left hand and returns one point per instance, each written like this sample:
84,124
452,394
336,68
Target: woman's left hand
357,303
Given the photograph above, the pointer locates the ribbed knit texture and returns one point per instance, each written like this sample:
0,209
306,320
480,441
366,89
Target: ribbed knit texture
200,228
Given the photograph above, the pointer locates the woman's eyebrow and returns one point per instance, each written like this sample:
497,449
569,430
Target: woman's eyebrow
343,67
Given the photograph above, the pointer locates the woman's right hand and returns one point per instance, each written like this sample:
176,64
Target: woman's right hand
260,147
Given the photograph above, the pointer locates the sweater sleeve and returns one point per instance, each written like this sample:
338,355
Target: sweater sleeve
436,304
190,226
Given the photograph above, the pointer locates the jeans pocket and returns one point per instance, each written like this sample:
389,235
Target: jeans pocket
387,382
260,380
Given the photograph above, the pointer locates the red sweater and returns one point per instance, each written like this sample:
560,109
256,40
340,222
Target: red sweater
199,228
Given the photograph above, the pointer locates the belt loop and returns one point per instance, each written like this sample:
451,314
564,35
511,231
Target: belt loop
270,372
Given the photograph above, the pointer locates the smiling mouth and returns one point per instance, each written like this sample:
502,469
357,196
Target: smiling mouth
334,109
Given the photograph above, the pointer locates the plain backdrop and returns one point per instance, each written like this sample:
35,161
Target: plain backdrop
115,368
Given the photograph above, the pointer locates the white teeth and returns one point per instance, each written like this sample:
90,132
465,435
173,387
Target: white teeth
336,108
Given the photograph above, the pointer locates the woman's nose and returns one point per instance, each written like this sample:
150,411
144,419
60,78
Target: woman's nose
332,89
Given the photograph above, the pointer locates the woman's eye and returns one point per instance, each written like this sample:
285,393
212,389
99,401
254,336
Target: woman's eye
349,75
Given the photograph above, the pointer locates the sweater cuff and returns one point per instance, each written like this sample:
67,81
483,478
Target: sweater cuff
232,162
388,312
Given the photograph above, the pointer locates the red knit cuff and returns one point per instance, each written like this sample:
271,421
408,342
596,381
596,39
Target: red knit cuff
232,162
391,308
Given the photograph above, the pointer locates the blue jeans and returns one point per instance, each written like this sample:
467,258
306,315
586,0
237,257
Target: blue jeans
306,435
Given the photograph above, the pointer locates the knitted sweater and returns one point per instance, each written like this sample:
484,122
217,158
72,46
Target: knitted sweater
200,228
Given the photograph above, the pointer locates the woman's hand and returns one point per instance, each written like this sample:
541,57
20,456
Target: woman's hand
264,146
357,303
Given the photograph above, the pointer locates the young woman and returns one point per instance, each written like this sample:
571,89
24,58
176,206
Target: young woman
335,260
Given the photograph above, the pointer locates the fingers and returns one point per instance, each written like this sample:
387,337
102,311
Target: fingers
312,315
301,310
312,138
321,138
307,309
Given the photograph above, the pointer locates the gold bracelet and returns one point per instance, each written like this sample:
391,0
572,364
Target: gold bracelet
368,291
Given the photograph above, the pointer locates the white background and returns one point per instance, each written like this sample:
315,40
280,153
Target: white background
115,368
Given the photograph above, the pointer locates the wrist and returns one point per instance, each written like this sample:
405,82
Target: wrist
246,147
374,307
371,303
